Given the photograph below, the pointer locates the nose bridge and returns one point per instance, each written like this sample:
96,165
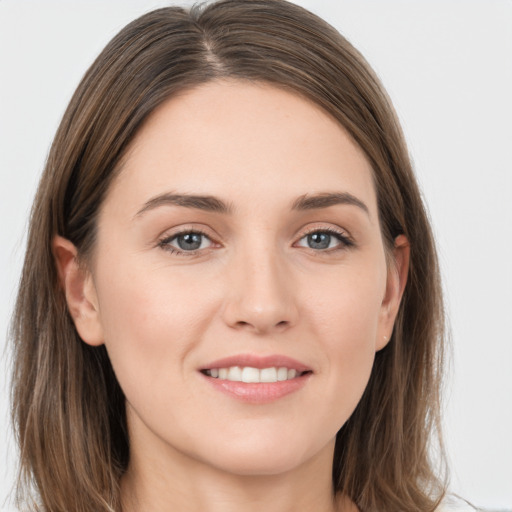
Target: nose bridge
260,295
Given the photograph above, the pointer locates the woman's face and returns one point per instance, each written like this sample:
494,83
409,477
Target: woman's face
240,242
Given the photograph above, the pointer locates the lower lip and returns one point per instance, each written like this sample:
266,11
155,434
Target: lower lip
258,392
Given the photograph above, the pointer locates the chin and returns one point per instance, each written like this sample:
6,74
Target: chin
259,465
268,455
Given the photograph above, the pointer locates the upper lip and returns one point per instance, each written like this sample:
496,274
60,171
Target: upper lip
258,361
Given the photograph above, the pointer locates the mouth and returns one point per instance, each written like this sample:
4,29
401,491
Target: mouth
250,374
257,379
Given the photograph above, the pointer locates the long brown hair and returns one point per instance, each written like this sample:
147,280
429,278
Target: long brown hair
68,409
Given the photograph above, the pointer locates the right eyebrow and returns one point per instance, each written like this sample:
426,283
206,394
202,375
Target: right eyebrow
206,203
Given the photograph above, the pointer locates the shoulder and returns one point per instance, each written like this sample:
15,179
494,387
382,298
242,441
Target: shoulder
454,504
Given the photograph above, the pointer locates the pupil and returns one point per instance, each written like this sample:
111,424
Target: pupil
189,241
319,240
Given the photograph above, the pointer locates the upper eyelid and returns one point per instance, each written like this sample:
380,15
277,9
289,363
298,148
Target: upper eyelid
303,232
166,239
331,229
335,230
169,234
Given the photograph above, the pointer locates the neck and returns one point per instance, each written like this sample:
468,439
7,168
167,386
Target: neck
164,480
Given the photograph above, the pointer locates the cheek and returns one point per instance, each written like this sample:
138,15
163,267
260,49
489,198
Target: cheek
345,308
346,320
143,300
151,323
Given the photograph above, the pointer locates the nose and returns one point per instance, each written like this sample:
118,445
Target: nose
261,295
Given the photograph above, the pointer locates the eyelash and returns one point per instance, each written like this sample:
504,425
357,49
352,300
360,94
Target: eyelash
345,241
164,242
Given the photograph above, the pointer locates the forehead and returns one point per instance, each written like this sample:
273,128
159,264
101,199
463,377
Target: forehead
242,141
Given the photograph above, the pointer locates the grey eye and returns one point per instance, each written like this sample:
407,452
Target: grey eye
190,241
187,242
319,240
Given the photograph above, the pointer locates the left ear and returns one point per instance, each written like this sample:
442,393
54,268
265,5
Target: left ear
398,269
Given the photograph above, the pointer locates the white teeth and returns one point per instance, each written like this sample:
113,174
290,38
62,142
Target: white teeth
268,375
282,374
235,373
292,374
250,374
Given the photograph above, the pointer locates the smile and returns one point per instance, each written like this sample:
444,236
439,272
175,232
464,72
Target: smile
255,375
256,378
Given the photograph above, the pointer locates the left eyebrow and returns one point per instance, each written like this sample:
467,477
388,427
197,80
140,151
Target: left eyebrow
326,199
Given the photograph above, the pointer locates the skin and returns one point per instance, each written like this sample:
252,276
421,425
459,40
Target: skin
255,286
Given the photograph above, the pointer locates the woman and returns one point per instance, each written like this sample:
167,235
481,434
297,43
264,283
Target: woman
231,296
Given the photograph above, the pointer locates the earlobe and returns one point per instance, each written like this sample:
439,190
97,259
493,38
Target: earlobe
78,287
398,270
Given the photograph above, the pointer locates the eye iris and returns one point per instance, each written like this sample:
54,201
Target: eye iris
319,240
189,241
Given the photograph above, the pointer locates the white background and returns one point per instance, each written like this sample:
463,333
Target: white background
447,66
